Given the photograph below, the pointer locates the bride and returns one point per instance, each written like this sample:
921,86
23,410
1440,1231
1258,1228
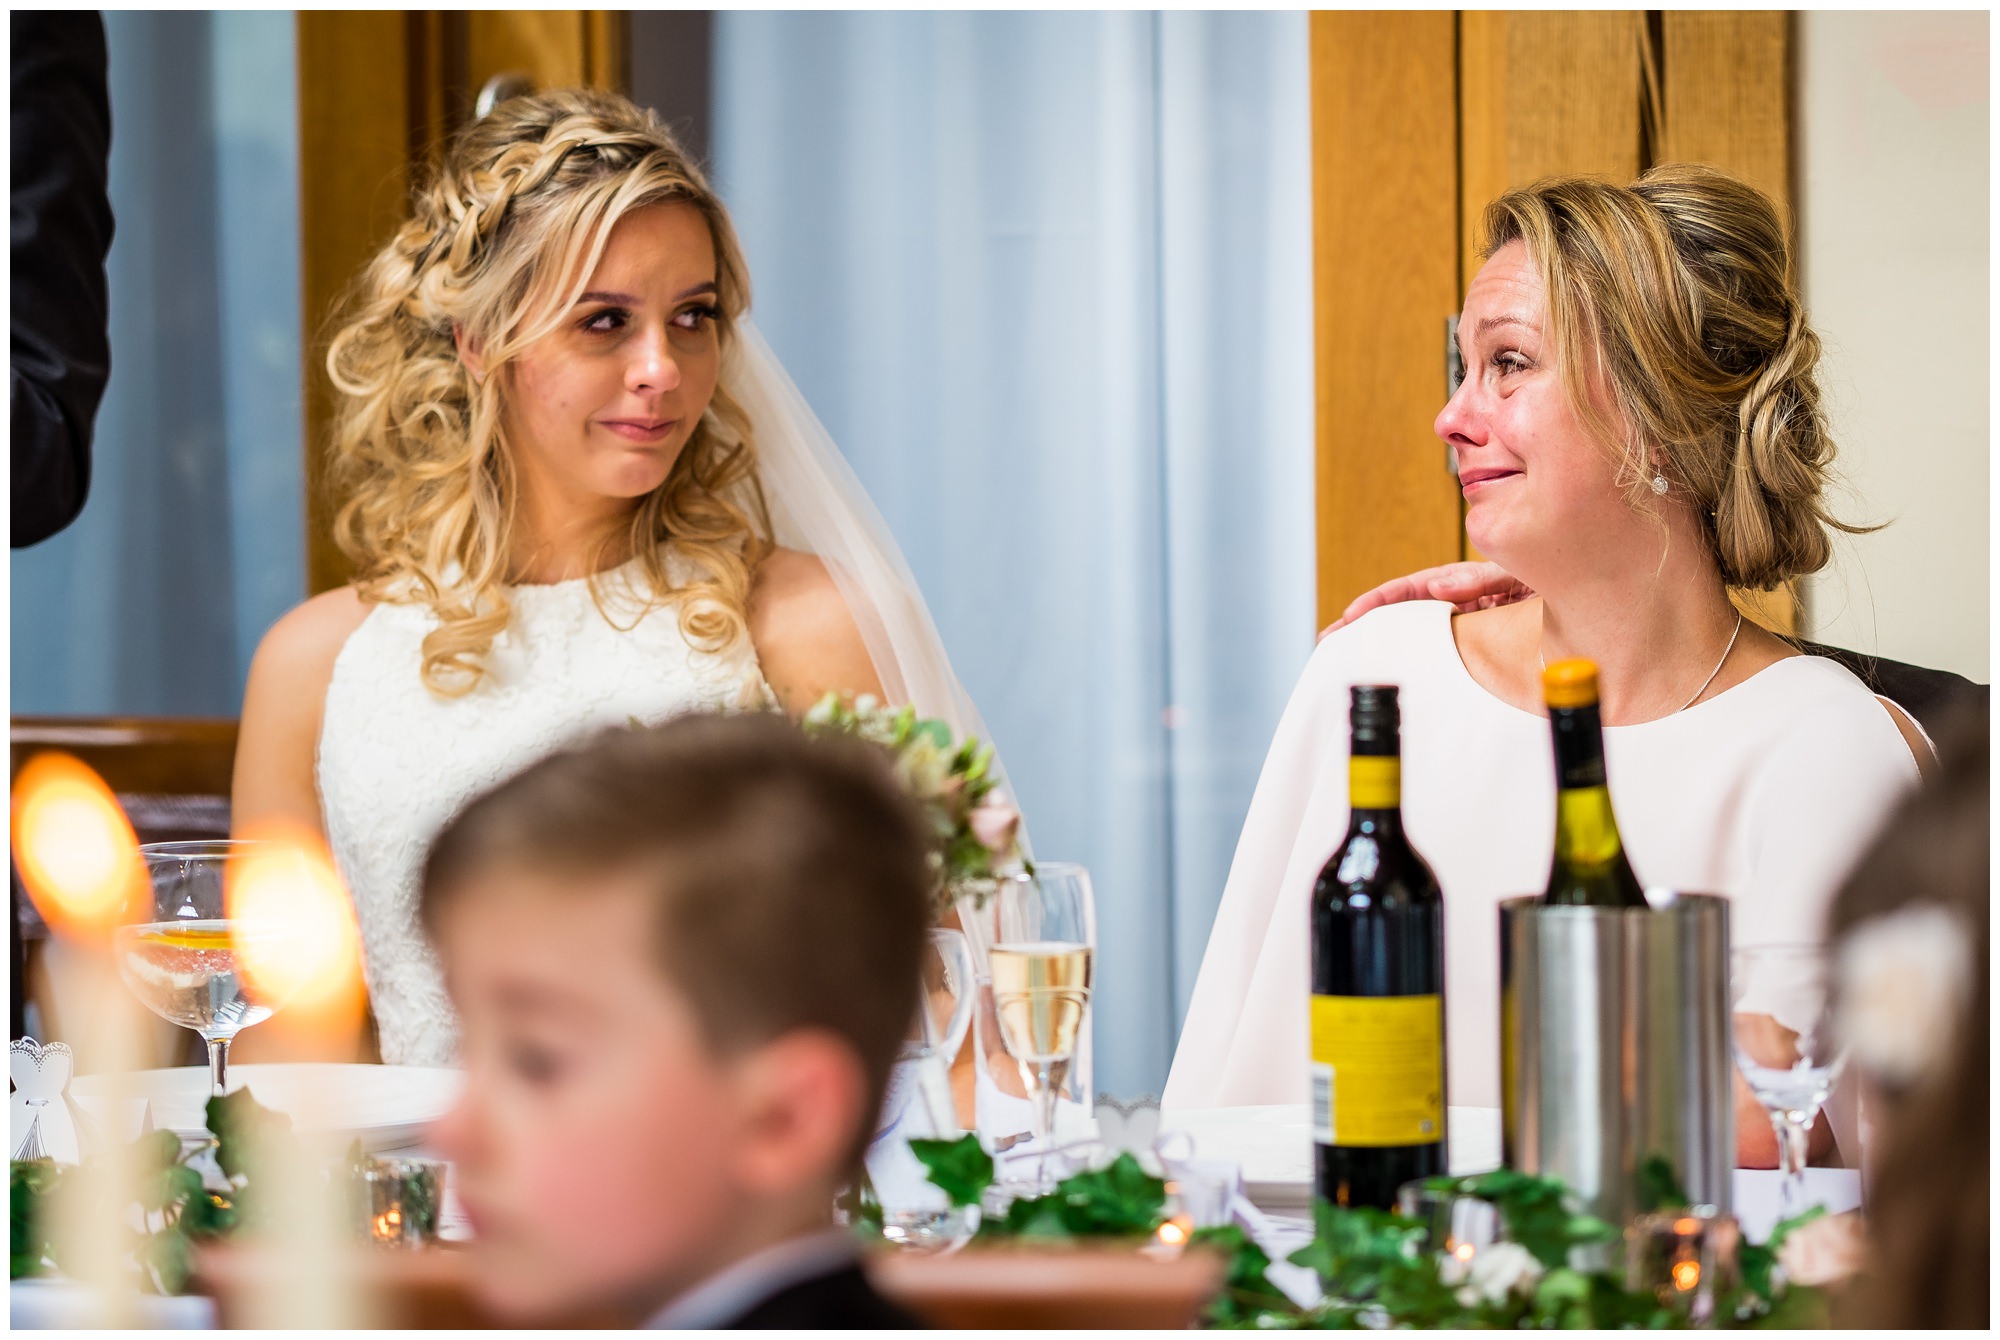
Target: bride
581,492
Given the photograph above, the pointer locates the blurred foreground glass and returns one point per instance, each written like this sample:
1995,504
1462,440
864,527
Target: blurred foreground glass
918,1105
1455,1224
179,951
1786,1045
1684,1258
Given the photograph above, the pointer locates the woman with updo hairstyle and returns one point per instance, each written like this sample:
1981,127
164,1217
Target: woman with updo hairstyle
579,494
1639,430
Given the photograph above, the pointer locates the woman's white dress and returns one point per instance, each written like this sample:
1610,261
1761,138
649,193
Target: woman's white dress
1767,793
397,761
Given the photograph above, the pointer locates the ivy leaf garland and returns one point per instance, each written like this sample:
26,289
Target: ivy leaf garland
1375,1266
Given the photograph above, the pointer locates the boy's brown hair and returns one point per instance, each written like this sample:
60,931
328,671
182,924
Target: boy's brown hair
789,873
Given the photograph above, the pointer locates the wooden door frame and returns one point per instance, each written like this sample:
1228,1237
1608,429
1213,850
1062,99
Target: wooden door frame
1409,114
379,92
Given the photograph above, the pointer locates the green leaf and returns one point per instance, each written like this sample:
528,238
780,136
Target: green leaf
959,1168
1247,1295
1784,1227
1120,1199
1659,1187
936,732
240,1123
168,1258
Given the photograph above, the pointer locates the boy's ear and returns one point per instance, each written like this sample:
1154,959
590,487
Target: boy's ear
803,1105
471,351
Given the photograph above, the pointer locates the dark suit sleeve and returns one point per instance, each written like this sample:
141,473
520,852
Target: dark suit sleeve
61,353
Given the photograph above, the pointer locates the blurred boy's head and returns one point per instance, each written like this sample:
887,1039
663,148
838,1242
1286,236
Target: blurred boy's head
683,960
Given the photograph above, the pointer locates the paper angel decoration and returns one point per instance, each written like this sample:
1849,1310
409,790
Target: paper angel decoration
43,1127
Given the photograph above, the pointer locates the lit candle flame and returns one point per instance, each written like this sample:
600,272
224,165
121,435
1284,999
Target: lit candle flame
389,1225
76,851
295,936
1174,1232
1687,1274
1464,1251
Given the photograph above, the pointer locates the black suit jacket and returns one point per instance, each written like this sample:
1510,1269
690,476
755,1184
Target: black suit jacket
840,1300
60,357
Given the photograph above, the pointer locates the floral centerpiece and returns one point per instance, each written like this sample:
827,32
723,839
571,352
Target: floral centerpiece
976,830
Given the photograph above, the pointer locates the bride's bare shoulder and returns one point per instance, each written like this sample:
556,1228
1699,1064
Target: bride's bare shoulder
806,638
310,636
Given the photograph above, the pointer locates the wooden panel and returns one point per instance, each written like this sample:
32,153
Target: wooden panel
1385,277
1726,77
1727,94
167,756
354,145
1542,94
378,93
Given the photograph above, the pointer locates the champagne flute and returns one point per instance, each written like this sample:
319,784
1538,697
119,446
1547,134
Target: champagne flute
1786,1046
178,954
1040,966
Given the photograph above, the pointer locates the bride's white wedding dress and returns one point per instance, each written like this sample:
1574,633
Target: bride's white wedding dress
397,761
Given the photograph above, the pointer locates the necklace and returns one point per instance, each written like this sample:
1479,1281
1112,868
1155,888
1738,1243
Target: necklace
1734,633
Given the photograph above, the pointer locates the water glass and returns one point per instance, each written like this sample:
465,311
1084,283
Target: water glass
1684,1258
1786,1046
918,1105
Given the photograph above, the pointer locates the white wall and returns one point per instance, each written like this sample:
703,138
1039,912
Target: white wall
1893,209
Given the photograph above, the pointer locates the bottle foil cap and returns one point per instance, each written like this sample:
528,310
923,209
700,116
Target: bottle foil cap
1570,683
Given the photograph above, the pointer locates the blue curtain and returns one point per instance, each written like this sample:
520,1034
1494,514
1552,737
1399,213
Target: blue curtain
193,540
1047,279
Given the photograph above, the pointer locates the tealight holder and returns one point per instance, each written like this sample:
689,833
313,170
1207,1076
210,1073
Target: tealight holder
1456,1225
1685,1258
398,1200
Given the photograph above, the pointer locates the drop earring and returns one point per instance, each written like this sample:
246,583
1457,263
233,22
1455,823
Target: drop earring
1660,485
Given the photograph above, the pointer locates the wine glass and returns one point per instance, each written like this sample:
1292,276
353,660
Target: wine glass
1787,1047
916,1213
1039,962
178,953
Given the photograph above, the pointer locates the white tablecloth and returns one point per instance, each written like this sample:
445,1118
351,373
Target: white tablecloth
1274,1147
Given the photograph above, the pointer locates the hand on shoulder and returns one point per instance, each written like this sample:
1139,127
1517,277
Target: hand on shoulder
278,739
806,638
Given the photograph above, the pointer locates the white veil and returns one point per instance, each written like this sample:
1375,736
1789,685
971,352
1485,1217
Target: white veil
819,507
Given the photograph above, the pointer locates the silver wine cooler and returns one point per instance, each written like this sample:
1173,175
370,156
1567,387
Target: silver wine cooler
1614,1050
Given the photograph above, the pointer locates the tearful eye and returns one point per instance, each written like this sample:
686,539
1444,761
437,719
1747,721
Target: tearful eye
697,318
604,322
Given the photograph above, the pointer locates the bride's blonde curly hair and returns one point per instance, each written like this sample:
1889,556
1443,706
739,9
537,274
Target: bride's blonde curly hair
504,236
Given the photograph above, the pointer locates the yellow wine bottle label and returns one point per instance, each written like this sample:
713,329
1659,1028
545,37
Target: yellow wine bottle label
1378,1070
1374,783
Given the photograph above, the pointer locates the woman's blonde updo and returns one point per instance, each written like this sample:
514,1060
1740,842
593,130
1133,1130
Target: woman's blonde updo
1676,294
503,238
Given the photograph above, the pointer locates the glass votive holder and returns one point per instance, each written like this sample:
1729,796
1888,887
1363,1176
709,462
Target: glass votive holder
1455,1224
398,1200
1686,1258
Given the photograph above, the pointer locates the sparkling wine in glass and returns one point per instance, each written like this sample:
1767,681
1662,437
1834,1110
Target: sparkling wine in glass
1040,968
1786,1046
180,952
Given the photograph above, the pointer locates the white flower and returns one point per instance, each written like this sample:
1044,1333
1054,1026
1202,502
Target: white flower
923,767
1905,982
1829,1248
1503,1268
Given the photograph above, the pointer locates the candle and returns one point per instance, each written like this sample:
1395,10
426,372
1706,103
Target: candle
399,1200
1684,1258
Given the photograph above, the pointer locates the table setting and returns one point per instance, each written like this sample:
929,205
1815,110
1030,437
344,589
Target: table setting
1013,1196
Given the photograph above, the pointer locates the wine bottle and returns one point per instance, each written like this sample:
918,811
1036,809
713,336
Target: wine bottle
1589,869
1378,1084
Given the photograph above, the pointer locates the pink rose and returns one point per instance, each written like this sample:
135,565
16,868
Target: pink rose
1824,1251
994,823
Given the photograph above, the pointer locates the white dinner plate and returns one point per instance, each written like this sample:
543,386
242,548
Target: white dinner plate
1273,1144
384,1106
